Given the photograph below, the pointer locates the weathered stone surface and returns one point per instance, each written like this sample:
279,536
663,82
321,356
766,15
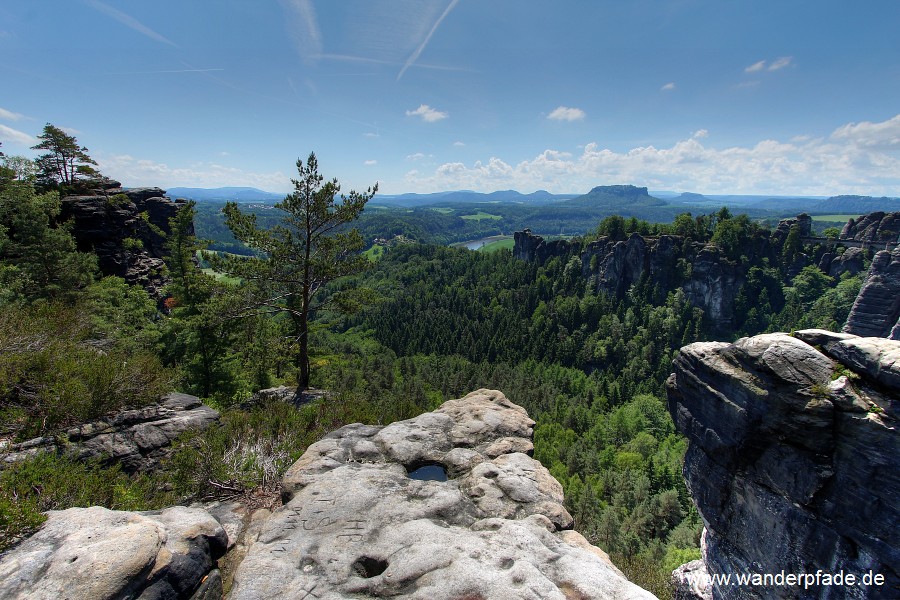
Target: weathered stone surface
714,284
533,248
821,337
790,469
356,525
851,261
137,439
95,553
691,582
876,311
877,358
101,224
877,227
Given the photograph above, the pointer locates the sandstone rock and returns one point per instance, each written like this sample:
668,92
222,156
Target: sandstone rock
355,524
137,439
101,224
851,261
875,357
790,470
714,285
691,582
876,228
821,337
876,310
533,248
95,553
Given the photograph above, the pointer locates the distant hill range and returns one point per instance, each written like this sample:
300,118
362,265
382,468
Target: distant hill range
605,198
469,197
224,194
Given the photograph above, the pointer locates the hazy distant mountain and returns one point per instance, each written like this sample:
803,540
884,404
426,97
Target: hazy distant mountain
857,204
468,196
616,196
225,194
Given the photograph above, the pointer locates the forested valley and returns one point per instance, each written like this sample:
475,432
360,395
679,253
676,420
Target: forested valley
420,325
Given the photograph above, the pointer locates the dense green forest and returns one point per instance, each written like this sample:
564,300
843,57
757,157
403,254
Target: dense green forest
428,323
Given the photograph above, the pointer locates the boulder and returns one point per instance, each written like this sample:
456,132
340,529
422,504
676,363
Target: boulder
448,505
793,464
95,553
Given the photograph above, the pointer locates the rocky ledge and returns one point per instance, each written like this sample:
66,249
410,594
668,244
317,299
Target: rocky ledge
136,439
447,506
793,460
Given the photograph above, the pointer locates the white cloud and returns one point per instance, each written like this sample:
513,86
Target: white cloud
8,134
756,67
780,63
133,172
71,130
129,21
857,159
668,87
564,113
416,156
8,115
428,114
370,163
871,135
700,133
776,65
459,144
303,27
418,51
370,134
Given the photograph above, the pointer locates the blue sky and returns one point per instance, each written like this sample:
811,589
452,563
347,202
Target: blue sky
715,96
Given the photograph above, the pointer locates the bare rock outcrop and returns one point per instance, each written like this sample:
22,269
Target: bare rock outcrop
875,228
448,505
136,439
876,310
123,227
100,554
793,459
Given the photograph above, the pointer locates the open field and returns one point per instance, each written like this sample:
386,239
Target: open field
835,218
507,243
481,216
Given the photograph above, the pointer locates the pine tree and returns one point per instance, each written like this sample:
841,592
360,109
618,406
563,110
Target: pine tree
296,259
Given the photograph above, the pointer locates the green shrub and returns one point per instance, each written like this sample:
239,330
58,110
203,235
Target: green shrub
52,482
55,373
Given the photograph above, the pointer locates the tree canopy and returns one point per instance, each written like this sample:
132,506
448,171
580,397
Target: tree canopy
297,258
66,163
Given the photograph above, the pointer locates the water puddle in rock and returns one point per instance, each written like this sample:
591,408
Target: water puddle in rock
429,473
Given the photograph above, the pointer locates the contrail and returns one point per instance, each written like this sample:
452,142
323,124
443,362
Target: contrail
129,21
415,55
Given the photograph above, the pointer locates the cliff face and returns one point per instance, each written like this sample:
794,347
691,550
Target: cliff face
876,311
123,228
709,279
792,458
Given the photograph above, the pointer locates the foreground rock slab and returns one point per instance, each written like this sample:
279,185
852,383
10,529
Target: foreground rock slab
97,554
793,460
448,505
